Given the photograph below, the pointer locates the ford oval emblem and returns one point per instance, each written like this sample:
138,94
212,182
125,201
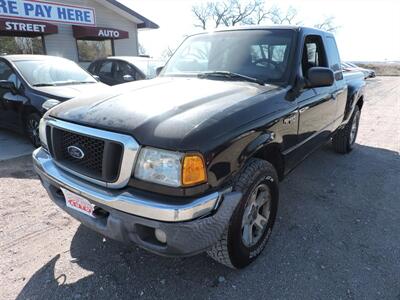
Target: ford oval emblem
75,152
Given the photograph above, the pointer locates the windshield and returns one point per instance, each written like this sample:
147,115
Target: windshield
260,54
53,72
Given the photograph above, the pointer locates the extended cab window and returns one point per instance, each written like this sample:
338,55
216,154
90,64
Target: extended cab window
313,54
333,57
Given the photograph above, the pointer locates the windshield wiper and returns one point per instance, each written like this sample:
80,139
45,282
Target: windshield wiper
230,75
43,84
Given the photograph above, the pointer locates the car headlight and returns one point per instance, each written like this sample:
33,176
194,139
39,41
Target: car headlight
170,168
42,132
50,103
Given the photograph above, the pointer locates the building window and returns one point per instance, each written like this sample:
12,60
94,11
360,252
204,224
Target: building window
22,45
91,50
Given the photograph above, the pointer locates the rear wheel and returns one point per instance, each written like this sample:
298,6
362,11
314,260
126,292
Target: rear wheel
253,219
32,128
344,139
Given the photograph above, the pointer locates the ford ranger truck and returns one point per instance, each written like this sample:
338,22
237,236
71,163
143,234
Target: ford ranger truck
191,161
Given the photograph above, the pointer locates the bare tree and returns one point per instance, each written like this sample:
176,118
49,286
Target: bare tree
203,13
248,12
219,12
328,25
241,12
278,16
260,15
228,12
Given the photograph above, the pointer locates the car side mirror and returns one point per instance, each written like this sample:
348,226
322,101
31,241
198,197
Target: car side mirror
96,77
128,78
8,85
158,70
320,76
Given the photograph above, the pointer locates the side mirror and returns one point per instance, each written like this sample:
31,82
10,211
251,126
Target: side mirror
158,70
128,78
319,76
8,85
96,77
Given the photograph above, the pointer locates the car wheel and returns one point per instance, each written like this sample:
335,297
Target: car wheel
251,224
32,128
344,139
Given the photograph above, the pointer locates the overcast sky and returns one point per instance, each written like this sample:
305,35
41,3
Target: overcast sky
369,29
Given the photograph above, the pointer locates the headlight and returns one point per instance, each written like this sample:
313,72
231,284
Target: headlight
50,103
170,168
42,132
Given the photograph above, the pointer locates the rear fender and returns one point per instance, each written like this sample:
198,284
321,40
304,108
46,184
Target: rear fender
355,93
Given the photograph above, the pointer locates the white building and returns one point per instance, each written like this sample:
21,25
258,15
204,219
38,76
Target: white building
81,30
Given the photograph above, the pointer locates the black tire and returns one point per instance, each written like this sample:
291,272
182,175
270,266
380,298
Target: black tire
32,128
344,139
231,250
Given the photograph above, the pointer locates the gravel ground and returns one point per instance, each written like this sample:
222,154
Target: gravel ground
337,234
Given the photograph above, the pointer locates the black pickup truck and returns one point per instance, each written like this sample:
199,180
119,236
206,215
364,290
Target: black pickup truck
191,161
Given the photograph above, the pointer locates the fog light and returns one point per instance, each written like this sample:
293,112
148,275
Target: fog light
160,236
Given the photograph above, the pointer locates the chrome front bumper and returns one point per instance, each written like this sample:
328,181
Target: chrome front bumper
123,200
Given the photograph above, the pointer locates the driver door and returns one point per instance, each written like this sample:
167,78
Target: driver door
317,106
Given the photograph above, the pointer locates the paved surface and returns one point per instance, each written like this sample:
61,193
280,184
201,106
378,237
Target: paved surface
13,145
337,235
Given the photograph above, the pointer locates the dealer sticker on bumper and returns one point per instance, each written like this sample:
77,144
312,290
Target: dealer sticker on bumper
78,203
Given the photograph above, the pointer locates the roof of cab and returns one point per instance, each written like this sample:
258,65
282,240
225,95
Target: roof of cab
268,27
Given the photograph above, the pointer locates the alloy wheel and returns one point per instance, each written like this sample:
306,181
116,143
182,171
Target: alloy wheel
256,215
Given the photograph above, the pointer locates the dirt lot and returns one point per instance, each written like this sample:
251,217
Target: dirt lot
337,235
383,68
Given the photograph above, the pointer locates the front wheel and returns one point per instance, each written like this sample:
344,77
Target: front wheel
32,128
253,219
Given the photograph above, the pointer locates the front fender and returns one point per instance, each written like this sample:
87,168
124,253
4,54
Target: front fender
230,160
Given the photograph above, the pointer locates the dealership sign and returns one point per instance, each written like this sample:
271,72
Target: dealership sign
16,26
99,33
47,11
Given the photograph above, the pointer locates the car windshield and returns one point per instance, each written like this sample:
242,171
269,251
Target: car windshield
53,72
258,54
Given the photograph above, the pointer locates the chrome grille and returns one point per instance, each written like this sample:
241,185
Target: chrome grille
108,157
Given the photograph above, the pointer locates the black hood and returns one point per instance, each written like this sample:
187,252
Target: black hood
66,92
167,112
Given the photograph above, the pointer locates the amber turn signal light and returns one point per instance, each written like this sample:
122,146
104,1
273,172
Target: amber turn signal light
193,170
